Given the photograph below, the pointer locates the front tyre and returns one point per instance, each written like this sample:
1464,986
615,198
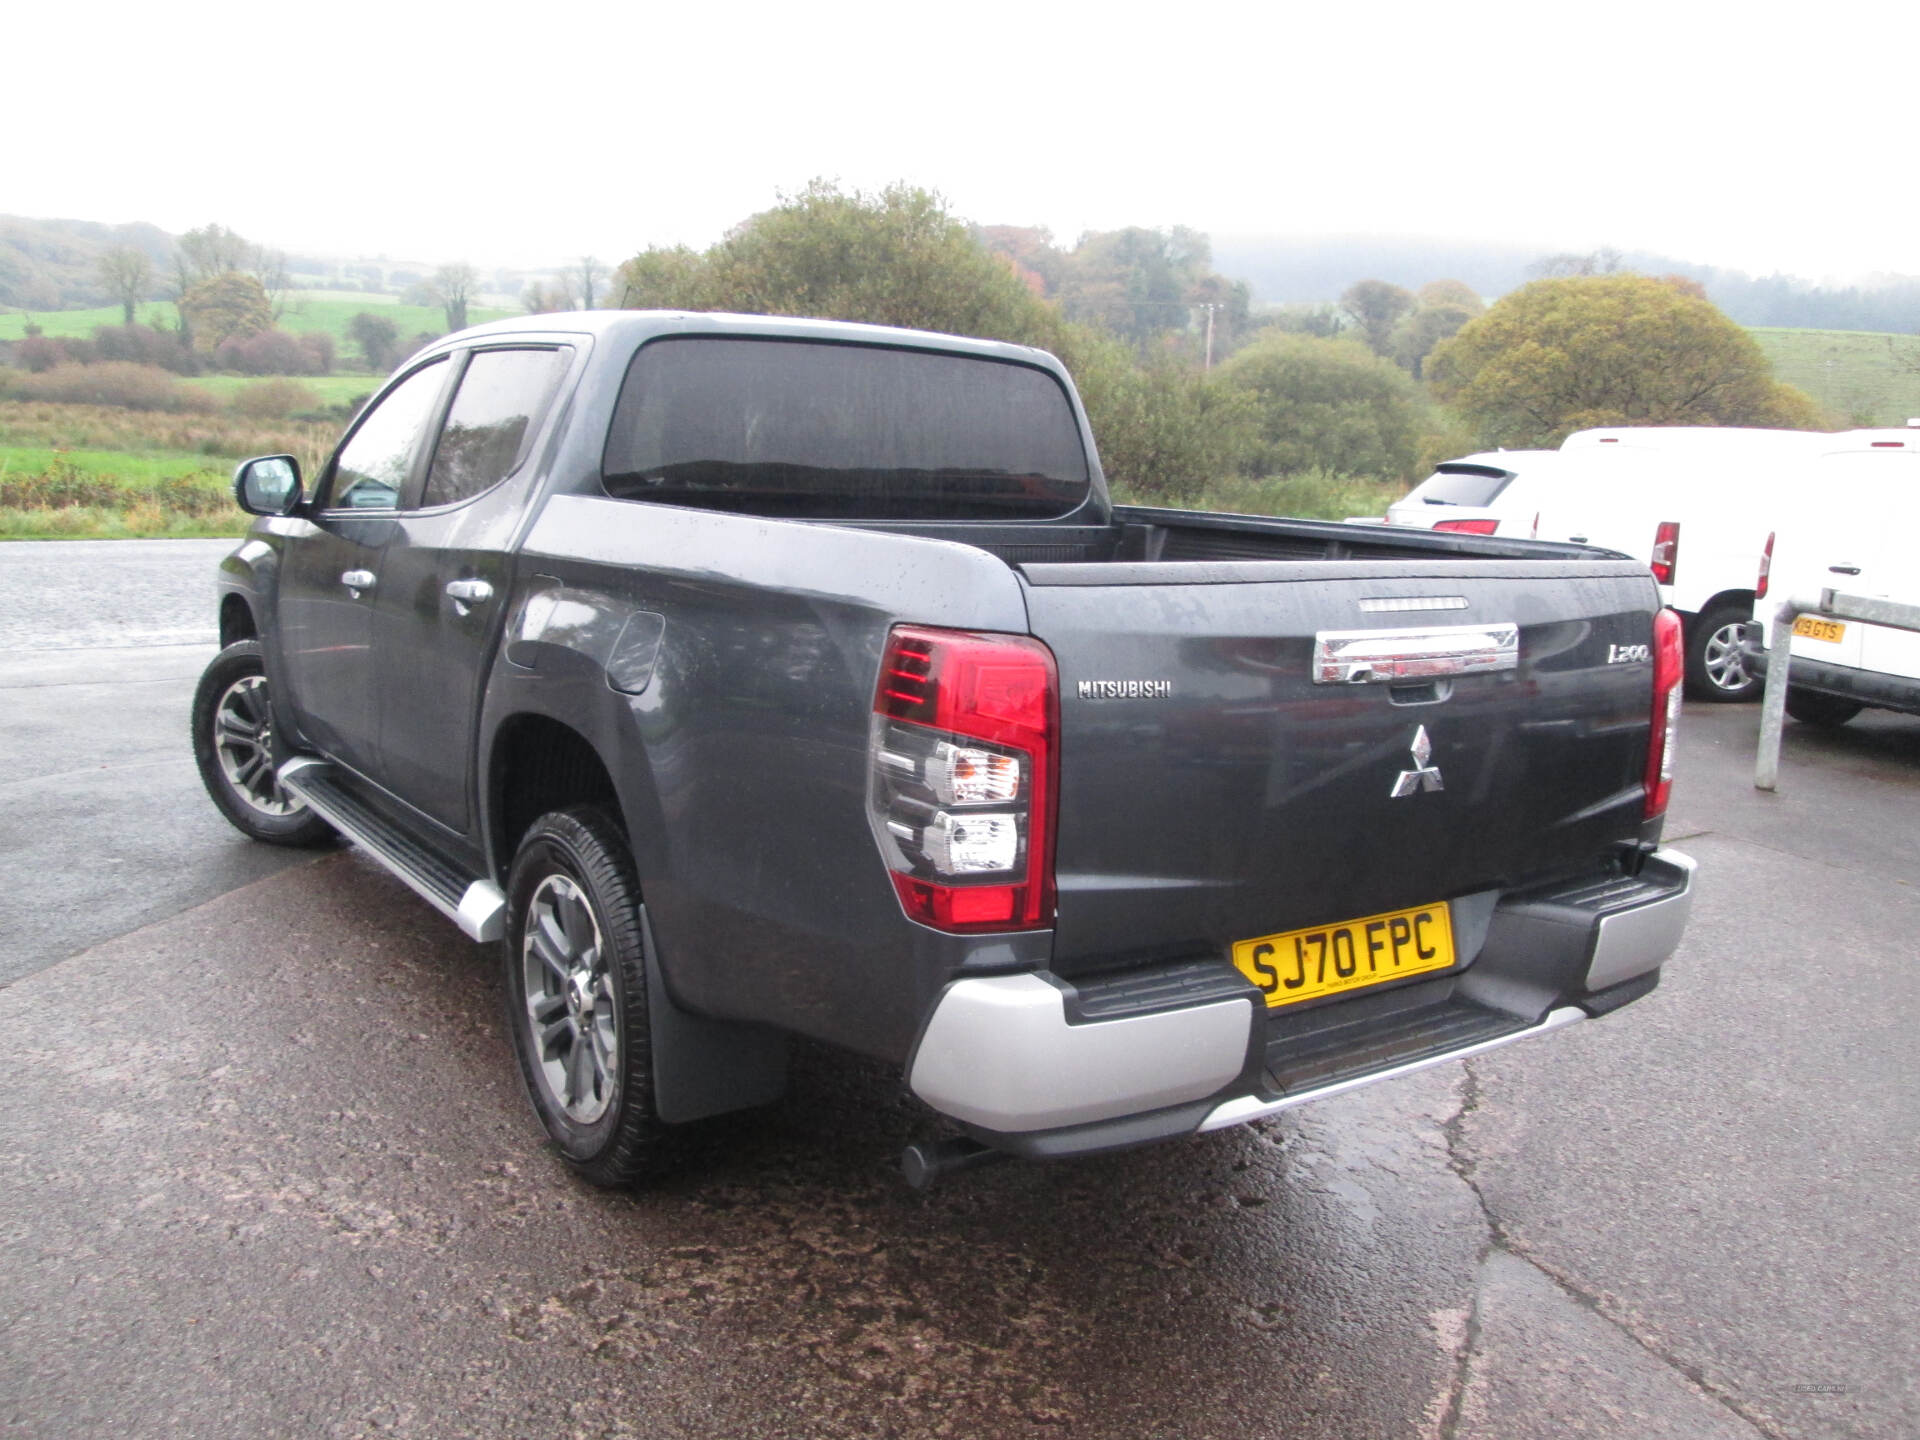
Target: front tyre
233,746
576,995
1716,667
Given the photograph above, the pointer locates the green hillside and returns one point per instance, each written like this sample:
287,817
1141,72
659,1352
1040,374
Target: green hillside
1862,378
327,310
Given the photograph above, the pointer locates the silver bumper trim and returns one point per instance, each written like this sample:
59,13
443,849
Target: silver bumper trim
1248,1107
1000,1054
1632,942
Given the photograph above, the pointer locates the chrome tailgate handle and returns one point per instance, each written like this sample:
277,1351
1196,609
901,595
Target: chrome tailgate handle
1358,657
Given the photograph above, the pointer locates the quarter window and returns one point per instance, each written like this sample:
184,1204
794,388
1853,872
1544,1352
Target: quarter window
372,466
491,422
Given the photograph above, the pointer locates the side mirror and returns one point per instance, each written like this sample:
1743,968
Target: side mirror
269,485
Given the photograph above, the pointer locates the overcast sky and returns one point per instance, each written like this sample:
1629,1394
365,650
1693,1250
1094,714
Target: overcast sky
1755,136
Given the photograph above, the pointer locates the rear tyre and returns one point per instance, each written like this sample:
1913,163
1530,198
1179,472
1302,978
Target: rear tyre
576,995
1810,707
233,746
1716,669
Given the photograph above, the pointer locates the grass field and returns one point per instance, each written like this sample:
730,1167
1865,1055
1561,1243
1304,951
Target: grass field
53,494
1864,379
327,389
306,310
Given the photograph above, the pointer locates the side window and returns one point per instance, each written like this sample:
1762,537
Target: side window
372,467
491,422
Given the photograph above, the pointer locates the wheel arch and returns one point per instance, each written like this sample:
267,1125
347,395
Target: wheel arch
538,764
1743,598
237,620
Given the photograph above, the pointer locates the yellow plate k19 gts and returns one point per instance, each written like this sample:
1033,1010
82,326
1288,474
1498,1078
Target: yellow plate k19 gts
1814,628
1351,955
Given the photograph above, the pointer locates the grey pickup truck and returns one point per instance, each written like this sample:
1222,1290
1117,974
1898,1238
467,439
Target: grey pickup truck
752,678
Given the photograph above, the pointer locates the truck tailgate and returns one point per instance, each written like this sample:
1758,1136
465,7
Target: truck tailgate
1212,790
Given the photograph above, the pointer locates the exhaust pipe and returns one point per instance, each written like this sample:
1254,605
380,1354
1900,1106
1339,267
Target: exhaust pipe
925,1161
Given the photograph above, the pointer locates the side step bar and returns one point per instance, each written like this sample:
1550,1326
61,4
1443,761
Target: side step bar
477,906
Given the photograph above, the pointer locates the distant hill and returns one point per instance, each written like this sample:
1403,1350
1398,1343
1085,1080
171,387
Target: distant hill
53,264
1315,270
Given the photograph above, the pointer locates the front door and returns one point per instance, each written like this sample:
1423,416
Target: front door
331,574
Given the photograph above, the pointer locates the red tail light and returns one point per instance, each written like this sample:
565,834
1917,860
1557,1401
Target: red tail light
1766,569
1666,551
1669,670
961,777
1470,527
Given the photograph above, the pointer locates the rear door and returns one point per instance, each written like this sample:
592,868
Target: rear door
444,576
1248,785
1873,504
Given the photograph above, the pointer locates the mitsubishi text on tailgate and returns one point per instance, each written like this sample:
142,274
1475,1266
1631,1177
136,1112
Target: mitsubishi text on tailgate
748,678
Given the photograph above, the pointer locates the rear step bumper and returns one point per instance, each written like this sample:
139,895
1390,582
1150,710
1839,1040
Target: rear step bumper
477,906
1042,1066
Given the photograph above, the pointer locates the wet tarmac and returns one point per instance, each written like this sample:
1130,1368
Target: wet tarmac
268,1170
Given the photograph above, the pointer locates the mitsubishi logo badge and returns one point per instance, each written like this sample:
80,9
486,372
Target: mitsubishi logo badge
1423,776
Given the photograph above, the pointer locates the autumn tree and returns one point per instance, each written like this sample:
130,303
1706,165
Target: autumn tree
1329,405
229,304
127,274
588,272
1561,355
1376,307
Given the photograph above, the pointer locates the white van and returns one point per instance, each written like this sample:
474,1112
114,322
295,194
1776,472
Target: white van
1847,523
1496,492
1696,503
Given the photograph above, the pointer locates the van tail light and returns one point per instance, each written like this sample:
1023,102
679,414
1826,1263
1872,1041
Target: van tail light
1766,569
1666,551
1469,527
962,777
1669,670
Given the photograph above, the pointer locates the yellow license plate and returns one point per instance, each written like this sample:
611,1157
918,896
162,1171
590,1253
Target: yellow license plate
1301,965
1814,628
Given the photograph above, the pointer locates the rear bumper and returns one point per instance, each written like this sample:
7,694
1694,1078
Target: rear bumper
1044,1067
1846,682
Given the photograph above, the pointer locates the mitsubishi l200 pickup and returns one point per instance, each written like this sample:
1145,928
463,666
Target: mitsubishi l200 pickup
751,678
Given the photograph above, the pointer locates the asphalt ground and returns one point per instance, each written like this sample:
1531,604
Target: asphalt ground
268,1170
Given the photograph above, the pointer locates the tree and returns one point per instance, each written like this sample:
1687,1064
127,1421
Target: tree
895,258
1566,354
450,288
127,274
1425,327
548,297
377,337
1604,261
1376,307
228,305
1449,292
1328,405
589,272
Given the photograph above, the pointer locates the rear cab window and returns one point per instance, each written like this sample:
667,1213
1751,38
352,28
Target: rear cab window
807,429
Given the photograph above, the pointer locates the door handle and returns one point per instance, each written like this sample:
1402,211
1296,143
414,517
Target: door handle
356,581
1844,569
465,594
